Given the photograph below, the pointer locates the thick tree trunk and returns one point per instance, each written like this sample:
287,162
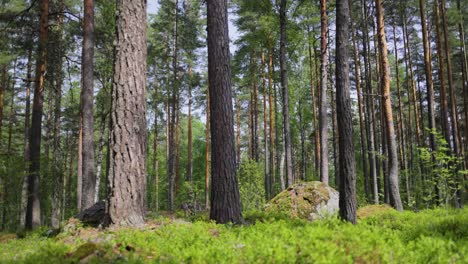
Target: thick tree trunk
323,118
79,177
284,85
127,176
347,170
87,94
394,189
33,212
225,198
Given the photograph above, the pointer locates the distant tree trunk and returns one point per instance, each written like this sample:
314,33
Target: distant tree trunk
127,177
268,182
357,72
464,75
171,165
443,92
238,135
100,157
370,113
57,169
254,109
27,125
316,136
284,85
189,130
394,189
79,177
225,198
156,144
208,148
347,170
428,71
3,86
87,94
33,212
323,118
456,136
272,122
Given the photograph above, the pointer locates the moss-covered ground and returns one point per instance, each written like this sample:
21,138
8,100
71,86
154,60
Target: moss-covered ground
381,236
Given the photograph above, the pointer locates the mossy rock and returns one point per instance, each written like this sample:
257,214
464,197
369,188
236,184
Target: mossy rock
306,200
373,210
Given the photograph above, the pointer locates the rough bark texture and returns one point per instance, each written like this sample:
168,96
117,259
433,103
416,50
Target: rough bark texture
347,170
284,85
87,94
323,118
127,175
225,199
394,189
208,149
33,211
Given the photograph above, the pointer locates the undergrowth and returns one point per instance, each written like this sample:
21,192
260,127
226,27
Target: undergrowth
431,236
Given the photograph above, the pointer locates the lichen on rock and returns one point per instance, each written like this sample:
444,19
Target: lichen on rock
306,200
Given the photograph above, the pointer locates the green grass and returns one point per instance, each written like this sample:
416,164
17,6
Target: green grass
431,236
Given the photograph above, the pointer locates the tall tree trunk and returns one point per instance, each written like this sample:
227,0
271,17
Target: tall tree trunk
323,118
370,114
394,189
464,75
335,140
347,170
316,133
401,117
3,86
443,92
27,131
238,130
272,122
155,146
87,94
284,85
357,72
127,177
57,169
225,198
189,130
33,211
268,182
428,71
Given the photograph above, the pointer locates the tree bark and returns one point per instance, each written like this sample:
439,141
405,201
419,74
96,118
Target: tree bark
347,170
208,148
87,94
33,211
323,118
225,199
189,129
127,176
394,189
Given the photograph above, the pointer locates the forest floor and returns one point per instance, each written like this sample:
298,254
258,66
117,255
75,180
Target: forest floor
381,236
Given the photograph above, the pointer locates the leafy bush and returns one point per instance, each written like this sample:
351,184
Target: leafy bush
251,185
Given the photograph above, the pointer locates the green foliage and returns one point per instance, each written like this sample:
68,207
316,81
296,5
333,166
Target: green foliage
430,236
442,180
251,185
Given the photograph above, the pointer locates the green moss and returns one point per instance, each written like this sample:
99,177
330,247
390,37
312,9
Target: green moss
372,210
430,236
